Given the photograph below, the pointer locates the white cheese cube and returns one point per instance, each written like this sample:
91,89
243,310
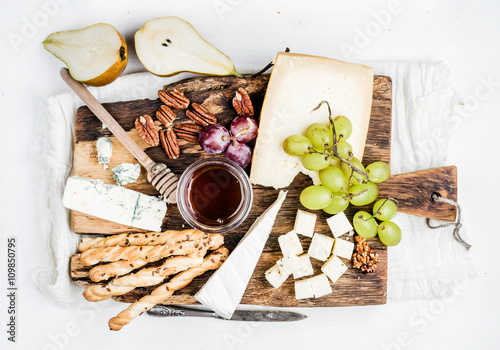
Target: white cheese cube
302,266
304,223
321,247
274,276
320,285
343,248
303,289
290,244
285,266
339,224
334,268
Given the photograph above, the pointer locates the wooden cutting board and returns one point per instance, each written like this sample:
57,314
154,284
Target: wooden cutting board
215,93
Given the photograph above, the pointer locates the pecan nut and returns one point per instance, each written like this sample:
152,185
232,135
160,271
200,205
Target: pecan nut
165,115
242,103
147,129
364,258
200,115
188,131
175,98
169,143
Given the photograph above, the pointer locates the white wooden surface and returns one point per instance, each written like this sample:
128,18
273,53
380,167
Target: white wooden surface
464,34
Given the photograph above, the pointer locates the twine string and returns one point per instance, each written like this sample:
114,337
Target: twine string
457,223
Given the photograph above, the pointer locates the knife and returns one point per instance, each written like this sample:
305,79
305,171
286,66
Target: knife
239,315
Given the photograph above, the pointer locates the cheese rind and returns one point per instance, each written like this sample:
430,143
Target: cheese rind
290,244
343,248
321,247
303,289
334,268
114,203
320,285
297,85
339,224
304,223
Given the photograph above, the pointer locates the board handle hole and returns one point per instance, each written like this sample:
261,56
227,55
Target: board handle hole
435,196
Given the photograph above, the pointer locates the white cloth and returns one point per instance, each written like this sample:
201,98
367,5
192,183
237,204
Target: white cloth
427,263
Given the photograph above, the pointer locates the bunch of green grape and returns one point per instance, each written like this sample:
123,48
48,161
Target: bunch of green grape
344,180
366,224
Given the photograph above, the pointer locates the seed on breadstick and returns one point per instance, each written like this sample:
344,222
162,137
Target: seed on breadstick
149,253
150,276
150,238
120,268
165,291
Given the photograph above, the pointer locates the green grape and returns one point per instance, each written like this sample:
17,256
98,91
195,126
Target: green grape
316,197
364,224
315,161
384,209
320,135
389,233
343,127
352,176
378,172
297,145
339,204
344,149
369,195
333,178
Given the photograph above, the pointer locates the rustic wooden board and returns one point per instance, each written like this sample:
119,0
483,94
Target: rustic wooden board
215,93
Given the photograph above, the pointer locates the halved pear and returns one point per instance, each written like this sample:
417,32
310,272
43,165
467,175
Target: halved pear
95,55
170,45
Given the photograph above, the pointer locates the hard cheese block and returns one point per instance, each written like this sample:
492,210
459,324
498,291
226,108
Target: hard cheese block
298,84
114,203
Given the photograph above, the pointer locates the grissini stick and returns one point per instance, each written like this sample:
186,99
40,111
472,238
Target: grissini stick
120,268
150,238
149,253
160,176
165,291
150,276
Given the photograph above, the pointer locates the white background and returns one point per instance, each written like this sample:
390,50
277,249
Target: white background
463,34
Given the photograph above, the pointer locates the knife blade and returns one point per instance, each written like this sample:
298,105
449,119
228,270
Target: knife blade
239,315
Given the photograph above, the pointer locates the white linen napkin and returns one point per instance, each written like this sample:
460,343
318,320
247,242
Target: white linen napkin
427,263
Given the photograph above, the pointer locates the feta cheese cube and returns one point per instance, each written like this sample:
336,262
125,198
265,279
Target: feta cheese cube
339,224
285,266
274,276
320,285
343,248
304,223
302,266
321,247
334,268
303,289
290,244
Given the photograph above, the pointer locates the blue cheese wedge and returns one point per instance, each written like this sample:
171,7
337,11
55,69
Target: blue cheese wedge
321,247
304,223
290,244
303,289
320,285
339,224
126,173
334,268
104,150
114,203
343,248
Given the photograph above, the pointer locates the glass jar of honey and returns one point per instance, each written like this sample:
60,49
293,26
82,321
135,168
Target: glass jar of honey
214,195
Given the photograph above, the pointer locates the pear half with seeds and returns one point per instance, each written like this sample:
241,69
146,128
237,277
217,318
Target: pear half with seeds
170,45
95,55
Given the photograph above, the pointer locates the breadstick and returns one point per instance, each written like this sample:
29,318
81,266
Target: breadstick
143,278
149,253
120,268
165,291
150,238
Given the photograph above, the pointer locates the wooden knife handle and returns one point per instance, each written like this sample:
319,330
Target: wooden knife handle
414,192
